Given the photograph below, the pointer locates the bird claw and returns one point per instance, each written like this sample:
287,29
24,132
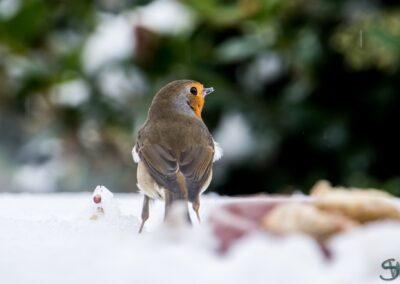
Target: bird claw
145,212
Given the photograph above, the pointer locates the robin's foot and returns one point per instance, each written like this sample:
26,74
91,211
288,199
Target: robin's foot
145,212
196,207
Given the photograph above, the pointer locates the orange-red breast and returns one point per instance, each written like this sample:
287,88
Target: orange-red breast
174,148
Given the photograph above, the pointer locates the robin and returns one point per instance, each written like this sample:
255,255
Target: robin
174,148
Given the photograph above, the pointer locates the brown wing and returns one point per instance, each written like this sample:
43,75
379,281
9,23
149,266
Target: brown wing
195,164
161,165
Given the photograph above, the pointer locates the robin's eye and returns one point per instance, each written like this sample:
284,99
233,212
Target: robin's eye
193,90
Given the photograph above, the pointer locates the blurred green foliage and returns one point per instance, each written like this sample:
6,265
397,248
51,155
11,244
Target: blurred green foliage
316,83
380,41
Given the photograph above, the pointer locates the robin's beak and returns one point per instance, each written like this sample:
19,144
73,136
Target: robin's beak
207,91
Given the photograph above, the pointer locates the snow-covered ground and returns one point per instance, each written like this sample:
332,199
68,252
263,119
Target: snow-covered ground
50,239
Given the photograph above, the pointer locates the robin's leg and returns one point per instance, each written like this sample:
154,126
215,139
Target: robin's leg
196,207
145,212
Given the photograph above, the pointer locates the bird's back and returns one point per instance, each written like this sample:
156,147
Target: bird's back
177,133
177,146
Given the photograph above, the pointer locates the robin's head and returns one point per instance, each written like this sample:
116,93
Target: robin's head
185,95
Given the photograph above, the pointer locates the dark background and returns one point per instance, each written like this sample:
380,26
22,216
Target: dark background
305,90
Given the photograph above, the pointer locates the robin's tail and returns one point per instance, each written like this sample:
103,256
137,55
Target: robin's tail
177,192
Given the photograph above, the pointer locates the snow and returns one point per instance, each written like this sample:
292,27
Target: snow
118,84
166,17
114,38
103,205
71,93
235,137
35,178
49,238
266,68
8,8
112,41
42,166
362,252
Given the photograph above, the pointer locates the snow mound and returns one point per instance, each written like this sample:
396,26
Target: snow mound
50,238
